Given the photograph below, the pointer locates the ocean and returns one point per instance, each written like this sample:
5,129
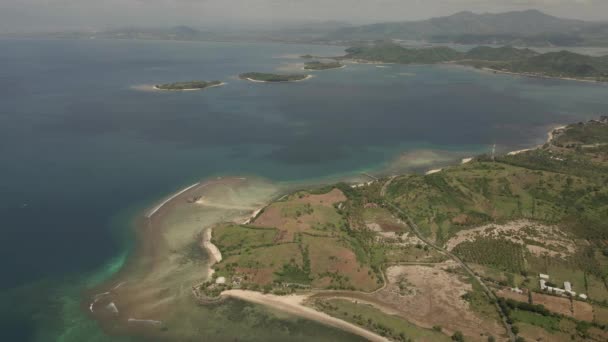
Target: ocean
85,147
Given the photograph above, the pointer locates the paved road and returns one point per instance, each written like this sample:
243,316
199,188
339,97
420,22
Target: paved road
452,256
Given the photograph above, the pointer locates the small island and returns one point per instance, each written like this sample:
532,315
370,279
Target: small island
191,85
264,77
317,65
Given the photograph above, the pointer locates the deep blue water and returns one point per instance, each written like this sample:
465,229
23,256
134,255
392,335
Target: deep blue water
82,151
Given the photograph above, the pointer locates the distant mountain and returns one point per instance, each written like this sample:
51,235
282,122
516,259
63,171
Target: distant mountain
529,27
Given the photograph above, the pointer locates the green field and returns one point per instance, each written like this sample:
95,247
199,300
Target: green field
266,77
393,327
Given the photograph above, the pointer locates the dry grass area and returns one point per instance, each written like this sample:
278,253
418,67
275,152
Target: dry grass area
328,199
600,314
431,296
538,239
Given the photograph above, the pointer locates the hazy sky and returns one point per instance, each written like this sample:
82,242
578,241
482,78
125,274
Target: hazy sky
29,15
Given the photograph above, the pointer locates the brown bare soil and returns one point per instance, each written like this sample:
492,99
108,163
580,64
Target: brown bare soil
433,297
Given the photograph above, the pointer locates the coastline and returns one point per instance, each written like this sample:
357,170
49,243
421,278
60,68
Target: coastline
534,75
111,297
158,207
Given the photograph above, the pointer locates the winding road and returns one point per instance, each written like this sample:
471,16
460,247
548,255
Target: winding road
452,256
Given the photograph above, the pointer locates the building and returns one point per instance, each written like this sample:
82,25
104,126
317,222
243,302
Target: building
220,280
567,286
543,284
582,296
544,276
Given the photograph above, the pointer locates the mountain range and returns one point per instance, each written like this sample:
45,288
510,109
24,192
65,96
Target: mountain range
530,27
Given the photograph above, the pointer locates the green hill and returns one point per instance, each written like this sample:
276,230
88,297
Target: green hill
561,64
505,53
393,53
508,59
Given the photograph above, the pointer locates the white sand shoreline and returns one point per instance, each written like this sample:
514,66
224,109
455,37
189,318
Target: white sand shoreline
215,256
294,304
155,209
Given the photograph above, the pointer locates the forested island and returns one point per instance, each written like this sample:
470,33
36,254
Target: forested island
317,65
191,85
563,64
267,77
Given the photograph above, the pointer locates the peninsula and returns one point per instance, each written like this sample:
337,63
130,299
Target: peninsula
266,77
191,85
454,253
317,65
499,248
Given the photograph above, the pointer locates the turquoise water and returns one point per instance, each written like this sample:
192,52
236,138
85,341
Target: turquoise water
83,149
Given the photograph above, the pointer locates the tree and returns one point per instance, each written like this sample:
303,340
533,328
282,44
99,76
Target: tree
458,336
491,339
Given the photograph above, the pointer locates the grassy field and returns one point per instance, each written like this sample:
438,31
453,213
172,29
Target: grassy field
393,327
302,240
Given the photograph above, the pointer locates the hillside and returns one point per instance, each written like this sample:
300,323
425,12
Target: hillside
507,59
530,27
561,64
392,53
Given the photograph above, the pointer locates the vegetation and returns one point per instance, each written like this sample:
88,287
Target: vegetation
265,77
316,65
188,85
366,316
508,59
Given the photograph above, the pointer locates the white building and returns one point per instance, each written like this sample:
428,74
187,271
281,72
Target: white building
544,276
567,286
543,284
517,290
582,296
220,280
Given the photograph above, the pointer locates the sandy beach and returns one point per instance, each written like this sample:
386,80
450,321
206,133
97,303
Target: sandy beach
214,252
294,304
258,81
